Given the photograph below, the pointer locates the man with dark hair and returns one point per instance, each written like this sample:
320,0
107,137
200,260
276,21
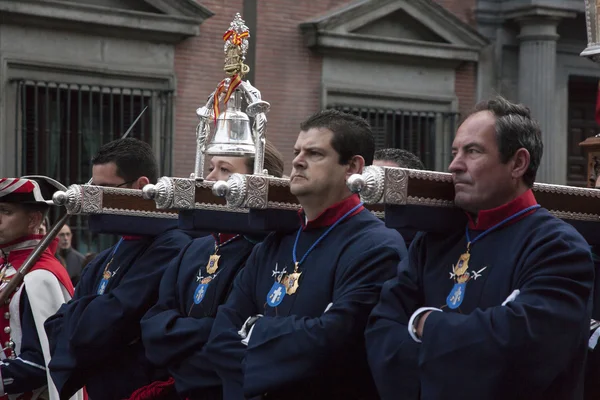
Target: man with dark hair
353,134
398,158
95,338
128,159
499,308
293,324
45,288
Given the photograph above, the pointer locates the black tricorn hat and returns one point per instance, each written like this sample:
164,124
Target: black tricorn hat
28,189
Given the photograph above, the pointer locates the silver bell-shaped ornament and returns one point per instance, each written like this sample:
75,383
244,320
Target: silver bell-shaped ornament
233,134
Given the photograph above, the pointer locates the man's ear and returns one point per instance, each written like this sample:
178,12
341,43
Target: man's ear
355,165
521,161
140,182
35,221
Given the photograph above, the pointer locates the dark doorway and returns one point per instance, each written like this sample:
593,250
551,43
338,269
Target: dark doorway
583,91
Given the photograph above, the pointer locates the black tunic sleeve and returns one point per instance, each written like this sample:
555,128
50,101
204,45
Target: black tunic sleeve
99,327
224,352
169,335
392,353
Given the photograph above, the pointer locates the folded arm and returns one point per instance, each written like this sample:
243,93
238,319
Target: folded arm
169,335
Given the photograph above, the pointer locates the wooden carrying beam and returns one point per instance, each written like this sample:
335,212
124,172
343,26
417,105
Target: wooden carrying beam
409,199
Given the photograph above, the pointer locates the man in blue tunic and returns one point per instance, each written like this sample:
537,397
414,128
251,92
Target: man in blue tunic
499,308
293,325
193,286
95,338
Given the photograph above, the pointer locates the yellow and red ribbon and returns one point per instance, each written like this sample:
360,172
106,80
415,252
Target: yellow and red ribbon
236,38
233,84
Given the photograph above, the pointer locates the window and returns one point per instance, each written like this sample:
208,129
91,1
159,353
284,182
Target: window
61,126
415,131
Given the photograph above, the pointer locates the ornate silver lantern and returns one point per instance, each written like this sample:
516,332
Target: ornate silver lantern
592,50
234,134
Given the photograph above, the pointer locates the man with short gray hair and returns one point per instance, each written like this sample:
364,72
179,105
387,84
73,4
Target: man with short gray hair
498,307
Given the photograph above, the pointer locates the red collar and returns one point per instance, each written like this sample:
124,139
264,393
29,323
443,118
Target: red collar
28,243
488,218
223,237
126,238
330,215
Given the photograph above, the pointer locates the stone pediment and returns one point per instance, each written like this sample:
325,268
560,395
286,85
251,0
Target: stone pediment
168,21
413,28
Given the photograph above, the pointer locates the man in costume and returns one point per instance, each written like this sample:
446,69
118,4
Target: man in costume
95,338
293,324
25,353
498,309
194,285
398,158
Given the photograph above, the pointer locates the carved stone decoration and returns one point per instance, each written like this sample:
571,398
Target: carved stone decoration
91,199
396,186
258,191
184,191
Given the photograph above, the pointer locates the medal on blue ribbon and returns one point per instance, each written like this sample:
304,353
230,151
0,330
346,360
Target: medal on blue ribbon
107,274
456,296
276,294
200,293
102,286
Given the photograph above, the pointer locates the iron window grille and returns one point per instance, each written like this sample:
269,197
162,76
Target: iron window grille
416,131
61,126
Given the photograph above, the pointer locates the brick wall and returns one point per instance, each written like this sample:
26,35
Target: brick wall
466,74
287,73
465,86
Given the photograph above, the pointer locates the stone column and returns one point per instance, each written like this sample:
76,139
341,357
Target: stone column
537,89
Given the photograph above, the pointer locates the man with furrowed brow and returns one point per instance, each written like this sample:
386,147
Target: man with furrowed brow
293,325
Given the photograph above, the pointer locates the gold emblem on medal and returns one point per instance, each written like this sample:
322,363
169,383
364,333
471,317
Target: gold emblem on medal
213,264
291,282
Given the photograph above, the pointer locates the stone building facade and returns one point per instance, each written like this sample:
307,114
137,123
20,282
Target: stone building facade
534,58
75,74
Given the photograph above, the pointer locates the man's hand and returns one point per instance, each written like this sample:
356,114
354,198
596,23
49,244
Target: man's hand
421,323
245,331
